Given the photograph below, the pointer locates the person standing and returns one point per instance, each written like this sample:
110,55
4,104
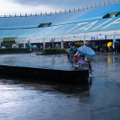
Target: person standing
71,52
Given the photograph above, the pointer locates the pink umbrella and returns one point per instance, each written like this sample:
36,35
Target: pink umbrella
67,50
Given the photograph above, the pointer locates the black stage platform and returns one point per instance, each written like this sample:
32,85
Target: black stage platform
43,68
69,76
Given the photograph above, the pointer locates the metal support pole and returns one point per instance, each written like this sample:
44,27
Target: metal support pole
43,44
114,39
84,39
24,45
62,46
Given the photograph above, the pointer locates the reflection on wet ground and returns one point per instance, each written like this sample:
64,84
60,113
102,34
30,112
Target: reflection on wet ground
20,100
40,101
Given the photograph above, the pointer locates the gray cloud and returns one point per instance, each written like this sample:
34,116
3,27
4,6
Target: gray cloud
61,4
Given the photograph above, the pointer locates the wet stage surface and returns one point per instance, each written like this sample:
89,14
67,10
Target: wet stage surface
21,100
59,62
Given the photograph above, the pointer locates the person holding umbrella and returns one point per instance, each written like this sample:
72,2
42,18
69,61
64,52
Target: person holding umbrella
83,51
79,58
115,45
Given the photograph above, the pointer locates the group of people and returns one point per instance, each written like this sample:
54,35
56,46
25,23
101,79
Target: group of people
78,58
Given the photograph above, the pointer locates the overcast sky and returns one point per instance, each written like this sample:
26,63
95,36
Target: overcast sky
37,6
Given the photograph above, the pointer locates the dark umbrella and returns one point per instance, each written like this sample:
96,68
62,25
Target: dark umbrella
116,41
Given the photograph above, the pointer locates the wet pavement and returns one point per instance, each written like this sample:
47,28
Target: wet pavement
20,100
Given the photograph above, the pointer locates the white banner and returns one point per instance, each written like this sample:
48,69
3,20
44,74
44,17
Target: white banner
102,37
